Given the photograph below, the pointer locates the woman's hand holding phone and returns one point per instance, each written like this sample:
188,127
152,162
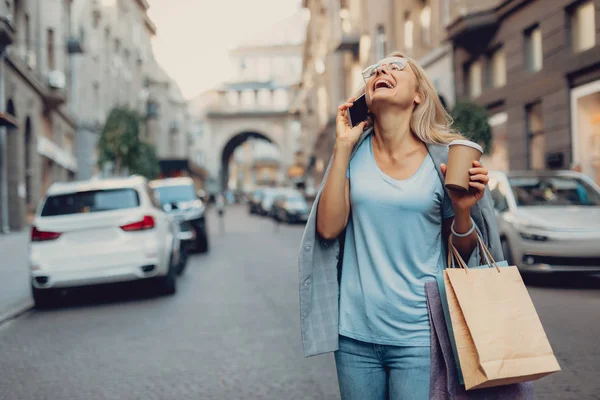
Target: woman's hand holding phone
346,135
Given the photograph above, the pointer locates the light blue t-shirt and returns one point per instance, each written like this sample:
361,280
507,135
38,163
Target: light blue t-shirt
393,246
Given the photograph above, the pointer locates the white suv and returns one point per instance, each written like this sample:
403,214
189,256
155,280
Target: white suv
101,231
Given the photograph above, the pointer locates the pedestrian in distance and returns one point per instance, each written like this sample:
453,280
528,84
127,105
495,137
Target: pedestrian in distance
381,225
220,206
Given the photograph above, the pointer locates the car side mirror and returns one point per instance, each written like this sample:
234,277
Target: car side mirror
167,207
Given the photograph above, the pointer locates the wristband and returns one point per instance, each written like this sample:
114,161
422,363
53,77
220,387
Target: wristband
462,235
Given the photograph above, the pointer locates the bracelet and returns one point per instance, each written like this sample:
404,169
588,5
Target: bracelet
462,235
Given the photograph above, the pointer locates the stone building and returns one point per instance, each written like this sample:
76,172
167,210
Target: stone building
258,102
535,66
36,80
64,65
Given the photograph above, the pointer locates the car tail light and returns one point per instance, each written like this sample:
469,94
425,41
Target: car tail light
146,223
42,236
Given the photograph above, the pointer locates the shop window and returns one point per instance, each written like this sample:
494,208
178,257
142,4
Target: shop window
533,48
582,21
536,139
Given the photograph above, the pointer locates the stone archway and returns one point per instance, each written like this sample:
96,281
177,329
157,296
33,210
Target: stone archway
228,149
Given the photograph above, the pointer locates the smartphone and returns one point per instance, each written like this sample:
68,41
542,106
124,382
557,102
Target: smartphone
359,112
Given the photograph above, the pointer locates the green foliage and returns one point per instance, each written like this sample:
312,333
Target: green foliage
121,143
471,120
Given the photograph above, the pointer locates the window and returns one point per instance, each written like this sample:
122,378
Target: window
533,48
498,195
425,19
474,77
90,201
50,44
583,26
446,12
380,43
408,32
553,191
497,65
536,141
27,33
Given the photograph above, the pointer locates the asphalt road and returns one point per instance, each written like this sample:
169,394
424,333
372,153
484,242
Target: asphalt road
232,332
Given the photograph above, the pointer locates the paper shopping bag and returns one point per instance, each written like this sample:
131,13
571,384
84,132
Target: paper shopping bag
444,383
499,336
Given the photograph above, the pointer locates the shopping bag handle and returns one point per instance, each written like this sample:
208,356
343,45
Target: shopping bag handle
453,255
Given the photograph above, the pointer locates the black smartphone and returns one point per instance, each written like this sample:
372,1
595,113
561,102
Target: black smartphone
359,112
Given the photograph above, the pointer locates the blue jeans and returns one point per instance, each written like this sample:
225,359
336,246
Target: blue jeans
378,372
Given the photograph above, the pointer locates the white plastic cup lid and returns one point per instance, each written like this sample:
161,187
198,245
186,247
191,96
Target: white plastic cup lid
467,143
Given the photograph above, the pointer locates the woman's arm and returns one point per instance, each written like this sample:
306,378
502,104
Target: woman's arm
334,204
333,209
462,224
461,204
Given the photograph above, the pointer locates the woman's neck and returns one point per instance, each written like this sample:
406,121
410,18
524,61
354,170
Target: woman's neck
393,134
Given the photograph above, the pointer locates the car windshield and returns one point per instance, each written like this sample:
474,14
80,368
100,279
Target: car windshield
553,191
90,201
175,194
296,200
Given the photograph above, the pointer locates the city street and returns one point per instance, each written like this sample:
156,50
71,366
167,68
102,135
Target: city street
232,332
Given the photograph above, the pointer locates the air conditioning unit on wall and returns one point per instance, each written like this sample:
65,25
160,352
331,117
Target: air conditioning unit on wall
57,79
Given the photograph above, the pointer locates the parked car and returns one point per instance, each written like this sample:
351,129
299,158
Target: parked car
266,201
254,200
549,221
178,198
101,231
290,207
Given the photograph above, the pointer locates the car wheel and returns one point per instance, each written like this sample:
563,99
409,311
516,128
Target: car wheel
43,298
167,285
202,242
183,259
506,251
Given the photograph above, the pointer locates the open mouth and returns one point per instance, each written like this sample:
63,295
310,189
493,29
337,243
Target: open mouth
383,84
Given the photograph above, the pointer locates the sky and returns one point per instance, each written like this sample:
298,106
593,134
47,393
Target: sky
194,36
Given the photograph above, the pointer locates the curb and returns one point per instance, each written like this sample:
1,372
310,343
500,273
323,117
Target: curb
16,311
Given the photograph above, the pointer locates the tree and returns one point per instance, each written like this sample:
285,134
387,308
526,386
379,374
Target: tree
121,144
471,120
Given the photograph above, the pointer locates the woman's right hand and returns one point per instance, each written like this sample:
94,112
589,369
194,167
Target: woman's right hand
346,134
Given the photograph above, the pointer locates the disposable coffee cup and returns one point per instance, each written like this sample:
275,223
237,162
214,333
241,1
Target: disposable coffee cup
461,155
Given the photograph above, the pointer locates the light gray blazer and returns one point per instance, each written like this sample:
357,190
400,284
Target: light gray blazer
319,264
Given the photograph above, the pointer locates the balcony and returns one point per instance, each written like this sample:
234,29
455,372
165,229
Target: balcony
51,87
473,22
7,32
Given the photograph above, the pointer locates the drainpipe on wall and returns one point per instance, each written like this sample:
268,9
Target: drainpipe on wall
3,168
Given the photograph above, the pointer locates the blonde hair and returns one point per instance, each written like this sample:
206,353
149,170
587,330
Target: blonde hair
430,121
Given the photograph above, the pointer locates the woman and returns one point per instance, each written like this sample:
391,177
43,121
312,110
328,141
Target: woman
383,191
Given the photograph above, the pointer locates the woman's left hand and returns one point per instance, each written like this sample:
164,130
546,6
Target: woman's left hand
478,180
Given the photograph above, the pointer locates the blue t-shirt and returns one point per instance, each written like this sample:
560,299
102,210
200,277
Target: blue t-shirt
393,246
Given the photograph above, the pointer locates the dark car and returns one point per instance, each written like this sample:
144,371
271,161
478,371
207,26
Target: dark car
178,197
254,200
290,206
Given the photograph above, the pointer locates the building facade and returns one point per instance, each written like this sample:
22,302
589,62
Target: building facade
257,103
35,84
64,65
535,66
343,37
118,69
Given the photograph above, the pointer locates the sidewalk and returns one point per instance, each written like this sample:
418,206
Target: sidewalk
15,293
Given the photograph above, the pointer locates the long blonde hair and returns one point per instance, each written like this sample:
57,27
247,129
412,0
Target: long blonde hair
430,122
